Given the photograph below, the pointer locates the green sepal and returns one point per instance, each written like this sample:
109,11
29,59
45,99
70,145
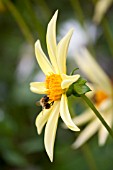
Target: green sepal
81,81
80,87
70,90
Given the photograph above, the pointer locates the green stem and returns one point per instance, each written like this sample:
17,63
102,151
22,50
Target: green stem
90,104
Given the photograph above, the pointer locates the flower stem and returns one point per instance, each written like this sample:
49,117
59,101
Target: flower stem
90,104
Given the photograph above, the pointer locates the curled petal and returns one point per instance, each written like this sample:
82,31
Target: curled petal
42,59
88,132
42,119
51,41
50,130
68,80
62,51
38,87
65,115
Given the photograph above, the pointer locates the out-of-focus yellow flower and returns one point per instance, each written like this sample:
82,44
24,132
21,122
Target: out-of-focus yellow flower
100,9
55,86
101,95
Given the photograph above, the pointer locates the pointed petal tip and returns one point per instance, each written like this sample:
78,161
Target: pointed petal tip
77,129
102,141
55,14
37,43
49,153
75,145
71,30
54,18
39,128
74,128
101,144
51,158
39,131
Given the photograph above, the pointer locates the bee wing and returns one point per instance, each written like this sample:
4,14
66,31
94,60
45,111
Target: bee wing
38,103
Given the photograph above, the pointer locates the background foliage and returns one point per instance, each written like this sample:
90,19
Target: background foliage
21,24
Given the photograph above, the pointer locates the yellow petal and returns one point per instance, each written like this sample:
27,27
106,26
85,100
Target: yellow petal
103,133
62,51
50,130
51,41
68,80
87,133
84,117
42,59
38,87
92,70
65,115
42,119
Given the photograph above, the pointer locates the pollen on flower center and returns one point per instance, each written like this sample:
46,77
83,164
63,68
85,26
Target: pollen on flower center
100,96
53,84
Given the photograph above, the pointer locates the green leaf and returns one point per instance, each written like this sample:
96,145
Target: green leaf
80,87
70,91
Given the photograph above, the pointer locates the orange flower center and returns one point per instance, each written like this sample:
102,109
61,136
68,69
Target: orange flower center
53,84
100,96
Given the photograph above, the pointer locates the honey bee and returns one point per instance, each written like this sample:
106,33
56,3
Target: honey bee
44,102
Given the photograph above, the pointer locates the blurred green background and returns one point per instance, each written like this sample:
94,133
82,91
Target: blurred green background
21,24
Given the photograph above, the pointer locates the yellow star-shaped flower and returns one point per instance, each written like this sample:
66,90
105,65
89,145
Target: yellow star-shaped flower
55,86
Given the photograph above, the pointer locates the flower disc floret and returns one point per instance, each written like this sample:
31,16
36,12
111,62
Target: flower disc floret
53,84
